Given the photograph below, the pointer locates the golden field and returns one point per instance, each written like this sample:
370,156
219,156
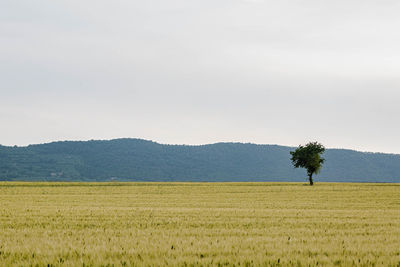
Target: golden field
185,224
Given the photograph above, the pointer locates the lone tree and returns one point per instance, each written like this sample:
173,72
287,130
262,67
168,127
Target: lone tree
309,157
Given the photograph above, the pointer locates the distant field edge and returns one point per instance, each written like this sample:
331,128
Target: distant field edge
179,183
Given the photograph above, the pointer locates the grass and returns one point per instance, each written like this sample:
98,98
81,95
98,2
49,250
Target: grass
179,224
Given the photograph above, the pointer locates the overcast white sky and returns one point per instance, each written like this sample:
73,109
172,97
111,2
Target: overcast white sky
196,72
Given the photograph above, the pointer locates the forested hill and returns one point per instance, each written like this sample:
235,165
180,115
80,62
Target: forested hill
141,160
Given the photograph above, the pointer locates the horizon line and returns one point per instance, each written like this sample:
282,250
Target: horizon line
192,145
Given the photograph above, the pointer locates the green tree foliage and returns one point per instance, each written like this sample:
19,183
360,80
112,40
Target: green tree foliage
140,160
309,157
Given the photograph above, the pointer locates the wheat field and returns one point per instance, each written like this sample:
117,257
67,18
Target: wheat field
194,224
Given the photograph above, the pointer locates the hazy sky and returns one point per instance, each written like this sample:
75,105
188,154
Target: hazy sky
195,72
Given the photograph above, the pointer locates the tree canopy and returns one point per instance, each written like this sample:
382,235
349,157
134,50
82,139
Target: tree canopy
141,160
309,157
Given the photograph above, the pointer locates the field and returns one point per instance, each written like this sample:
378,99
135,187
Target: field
181,224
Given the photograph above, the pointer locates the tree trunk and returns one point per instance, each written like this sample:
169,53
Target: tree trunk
311,181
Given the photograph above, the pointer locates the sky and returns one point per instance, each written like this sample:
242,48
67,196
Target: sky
197,72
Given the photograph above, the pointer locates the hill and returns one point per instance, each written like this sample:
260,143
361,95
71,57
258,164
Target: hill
141,160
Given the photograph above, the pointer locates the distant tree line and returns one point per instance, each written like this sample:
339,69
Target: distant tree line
140,160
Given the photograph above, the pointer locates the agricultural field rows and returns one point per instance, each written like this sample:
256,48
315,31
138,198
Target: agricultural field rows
179,224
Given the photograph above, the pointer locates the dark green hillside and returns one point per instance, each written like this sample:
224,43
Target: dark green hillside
138,160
